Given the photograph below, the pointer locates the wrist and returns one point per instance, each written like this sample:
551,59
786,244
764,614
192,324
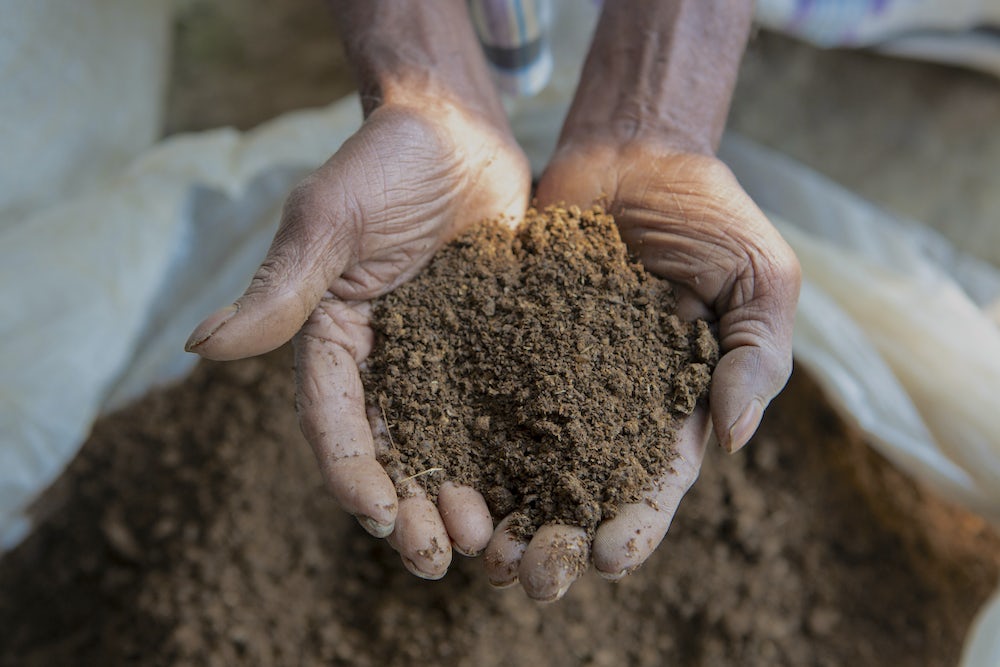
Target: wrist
661,72
410,54
620,134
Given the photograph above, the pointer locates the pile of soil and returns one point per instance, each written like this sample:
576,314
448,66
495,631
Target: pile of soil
541,366
193,529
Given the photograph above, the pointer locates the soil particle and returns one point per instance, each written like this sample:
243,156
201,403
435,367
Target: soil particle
781,555
542,366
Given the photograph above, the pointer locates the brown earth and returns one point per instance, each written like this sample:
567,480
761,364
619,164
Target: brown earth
193,529
541,366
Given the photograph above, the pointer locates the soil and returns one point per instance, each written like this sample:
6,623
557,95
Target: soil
541,366
193,529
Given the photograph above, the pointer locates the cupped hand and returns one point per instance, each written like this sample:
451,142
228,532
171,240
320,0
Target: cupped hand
689,221
369,219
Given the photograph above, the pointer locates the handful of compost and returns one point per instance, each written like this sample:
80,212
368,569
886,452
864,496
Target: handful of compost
539,371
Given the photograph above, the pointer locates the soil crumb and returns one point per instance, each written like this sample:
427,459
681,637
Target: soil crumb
540,365
193,529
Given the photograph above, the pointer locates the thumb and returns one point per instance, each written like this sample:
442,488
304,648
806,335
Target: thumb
308,252
756,341
744,382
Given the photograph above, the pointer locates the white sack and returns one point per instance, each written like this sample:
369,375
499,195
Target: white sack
82,94
109,284
878,274
957,32
901,331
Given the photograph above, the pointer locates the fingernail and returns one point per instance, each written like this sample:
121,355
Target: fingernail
613,576
562,591
509,573
374,528
555,597
502,584
470,553
744,427
209,326
420,573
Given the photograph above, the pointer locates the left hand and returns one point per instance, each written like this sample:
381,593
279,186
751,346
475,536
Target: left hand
688,220
415,175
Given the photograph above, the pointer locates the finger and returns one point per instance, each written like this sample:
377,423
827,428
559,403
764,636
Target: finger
556,556
691,306
624,543
755,338
503,556
564,183
330,404
466,518
420,536
307,253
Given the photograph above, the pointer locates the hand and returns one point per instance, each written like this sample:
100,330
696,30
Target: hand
688,220
369,219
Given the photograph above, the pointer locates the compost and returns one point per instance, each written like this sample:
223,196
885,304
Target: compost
540,365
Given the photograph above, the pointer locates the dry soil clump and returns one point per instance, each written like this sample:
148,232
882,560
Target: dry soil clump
540,365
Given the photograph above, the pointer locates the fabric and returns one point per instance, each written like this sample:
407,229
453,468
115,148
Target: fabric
958,32
83,85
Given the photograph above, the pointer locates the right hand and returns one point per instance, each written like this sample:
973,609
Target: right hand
369,219
687,219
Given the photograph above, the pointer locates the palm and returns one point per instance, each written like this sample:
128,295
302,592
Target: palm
388,199
366,221
684,215
402,186
688,220
416,184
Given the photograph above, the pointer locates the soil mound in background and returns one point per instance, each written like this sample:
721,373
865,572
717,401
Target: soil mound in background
193,529
541,366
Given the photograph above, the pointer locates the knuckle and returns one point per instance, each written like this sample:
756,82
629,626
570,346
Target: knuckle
787,269
305,198
778,266
268,277
774,364
776,360
716,172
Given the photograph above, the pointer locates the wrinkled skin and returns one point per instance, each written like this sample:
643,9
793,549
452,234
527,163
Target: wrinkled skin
689,221
372,217
366,221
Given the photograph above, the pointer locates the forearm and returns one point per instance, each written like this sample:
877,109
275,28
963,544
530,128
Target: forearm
663,70
406,51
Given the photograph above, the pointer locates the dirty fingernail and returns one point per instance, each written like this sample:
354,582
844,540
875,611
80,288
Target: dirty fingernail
209,326
500,585
744,427
418,572
374,528
470,553
508,574
555,597
613,576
